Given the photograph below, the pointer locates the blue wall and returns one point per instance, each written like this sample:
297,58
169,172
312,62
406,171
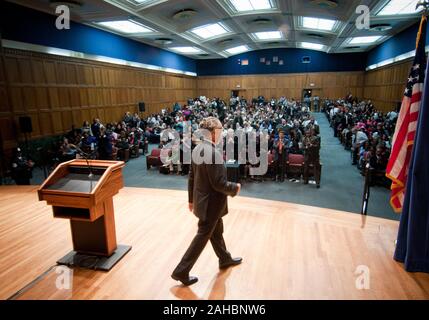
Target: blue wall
401,43
320,62
26,25
19,23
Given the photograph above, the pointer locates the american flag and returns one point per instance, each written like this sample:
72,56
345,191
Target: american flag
403,139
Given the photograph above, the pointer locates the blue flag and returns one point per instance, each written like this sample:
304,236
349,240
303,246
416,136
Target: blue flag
413,237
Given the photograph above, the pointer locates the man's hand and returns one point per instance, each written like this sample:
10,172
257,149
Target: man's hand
191,207
239,188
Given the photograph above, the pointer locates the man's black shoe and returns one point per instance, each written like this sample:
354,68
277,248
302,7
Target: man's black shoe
186,280
230,263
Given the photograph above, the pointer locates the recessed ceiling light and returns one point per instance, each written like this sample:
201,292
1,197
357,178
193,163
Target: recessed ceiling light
364,40
163,41
318,24
125,26
312,46
315,35
380,27
269,35
225,42
251,5
260,22
184,14
399,7
325,4
237,50
189,50
210,31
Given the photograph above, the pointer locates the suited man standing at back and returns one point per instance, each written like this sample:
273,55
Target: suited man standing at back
208,190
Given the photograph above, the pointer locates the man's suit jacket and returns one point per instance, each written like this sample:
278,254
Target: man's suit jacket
208,187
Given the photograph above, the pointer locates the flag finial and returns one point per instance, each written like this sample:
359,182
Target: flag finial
425,5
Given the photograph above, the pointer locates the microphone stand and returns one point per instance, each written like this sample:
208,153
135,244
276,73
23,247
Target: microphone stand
366,194
85,156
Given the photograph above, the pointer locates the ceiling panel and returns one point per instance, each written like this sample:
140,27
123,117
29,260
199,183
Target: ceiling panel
174,19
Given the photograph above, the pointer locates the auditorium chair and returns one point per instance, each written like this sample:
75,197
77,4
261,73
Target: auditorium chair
144,145
114,154
134,151
154,159
124,155
295,165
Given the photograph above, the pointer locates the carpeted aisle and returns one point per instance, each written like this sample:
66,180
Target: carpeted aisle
341,186
342,182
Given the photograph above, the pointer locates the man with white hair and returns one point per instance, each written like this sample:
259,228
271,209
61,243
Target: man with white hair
208,189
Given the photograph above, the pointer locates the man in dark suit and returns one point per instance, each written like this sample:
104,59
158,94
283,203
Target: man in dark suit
208,190
311,144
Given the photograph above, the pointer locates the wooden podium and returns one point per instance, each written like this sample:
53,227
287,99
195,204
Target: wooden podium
82,191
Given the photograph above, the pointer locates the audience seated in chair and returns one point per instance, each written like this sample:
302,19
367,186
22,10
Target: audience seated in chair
286,124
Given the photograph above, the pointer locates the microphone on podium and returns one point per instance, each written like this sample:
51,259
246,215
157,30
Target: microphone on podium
85,156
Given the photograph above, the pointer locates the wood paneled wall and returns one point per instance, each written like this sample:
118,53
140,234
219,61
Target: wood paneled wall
385,86
57,92
326,85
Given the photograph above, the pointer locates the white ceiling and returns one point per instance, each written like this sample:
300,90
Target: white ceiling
160,15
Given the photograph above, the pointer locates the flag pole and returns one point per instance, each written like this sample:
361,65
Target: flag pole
366,193
425,5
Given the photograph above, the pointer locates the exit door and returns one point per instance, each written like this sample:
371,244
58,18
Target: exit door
306,97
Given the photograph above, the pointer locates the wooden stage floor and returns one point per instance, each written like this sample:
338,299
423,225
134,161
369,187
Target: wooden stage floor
290,252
